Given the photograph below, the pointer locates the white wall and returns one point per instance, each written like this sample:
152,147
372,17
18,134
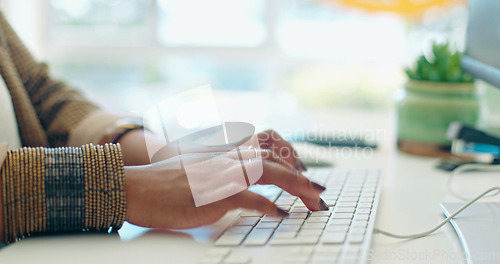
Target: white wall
28,20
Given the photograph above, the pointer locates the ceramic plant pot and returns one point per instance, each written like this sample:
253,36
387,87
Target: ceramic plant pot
426,109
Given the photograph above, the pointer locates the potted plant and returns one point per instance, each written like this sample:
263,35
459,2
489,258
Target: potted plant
437,93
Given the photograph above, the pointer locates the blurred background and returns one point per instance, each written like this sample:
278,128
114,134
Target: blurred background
274,63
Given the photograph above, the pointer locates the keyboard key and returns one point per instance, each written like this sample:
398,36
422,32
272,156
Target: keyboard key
306,250
358,230
353,186
211,260
297,215
284,203
247,221
271,219
348,199
251,213
258,237
311,232
239,230
299,210
363,211
351,193
352,251
329,250
361,217
320,213
289,200
267,225
324,259
314,226
292,222
346,204
342,216
285,207
322,219
300,255
345,209
230,240
340,222
365,200
330,202
359,223
364,205
333,190
237,259
356,238
283,241
218,252
334,238
297,260
288,228
337,228
305,240
351,254
299,204
367,195
330,195
284,234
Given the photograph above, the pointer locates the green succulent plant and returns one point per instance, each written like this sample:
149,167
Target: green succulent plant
443,65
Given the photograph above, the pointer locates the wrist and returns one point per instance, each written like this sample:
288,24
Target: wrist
131,174
121,127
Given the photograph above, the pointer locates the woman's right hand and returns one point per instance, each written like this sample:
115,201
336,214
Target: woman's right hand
159,194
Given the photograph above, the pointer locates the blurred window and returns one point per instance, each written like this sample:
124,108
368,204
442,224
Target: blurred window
218,23
322,53
99,22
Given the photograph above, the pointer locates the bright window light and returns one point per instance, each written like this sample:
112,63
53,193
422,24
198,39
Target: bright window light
212,23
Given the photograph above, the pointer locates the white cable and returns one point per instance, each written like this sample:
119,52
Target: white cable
376,230
466,167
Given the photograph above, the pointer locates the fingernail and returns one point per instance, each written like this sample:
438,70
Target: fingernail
323,205
318,186
282,212
300,165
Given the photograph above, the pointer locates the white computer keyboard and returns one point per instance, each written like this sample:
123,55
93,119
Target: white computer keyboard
340,235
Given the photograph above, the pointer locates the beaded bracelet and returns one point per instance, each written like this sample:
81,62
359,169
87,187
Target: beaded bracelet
62,190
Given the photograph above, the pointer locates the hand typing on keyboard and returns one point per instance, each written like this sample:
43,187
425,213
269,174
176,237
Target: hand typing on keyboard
158,195
339,235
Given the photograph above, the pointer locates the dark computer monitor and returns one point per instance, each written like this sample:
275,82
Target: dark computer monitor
482,45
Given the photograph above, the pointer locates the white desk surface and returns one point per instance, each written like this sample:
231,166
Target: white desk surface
411,193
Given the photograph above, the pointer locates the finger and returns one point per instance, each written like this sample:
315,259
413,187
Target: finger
270,155
252,201
271,140
289,180
315,204
266,154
